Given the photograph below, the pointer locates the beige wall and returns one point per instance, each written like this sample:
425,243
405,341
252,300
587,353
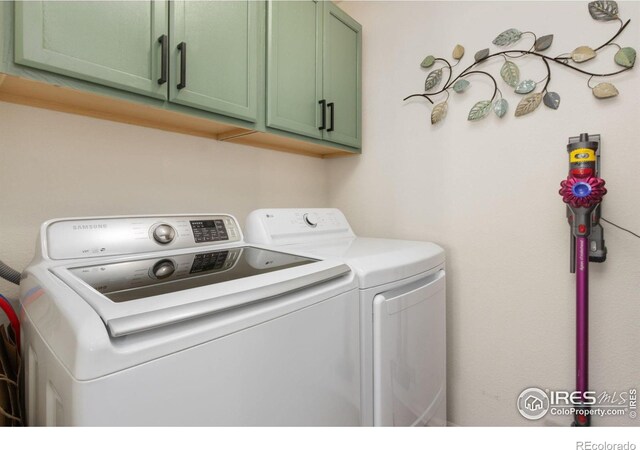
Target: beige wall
61,165
487,192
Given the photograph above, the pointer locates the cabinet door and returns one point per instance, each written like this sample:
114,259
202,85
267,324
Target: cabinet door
294,62
111,43
342,76
214,48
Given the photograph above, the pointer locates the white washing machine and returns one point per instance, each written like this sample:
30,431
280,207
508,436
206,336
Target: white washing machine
402,302
174,320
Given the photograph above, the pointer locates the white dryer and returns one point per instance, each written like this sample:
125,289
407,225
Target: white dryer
402,303
174,320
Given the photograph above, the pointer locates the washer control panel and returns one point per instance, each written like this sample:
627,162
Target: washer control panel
110,236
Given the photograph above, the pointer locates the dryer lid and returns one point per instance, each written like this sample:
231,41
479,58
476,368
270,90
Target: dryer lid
378,261
325,232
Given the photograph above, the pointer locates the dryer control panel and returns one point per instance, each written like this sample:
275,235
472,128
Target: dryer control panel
284,226
111,236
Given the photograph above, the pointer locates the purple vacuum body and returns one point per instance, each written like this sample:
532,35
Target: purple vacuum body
582,191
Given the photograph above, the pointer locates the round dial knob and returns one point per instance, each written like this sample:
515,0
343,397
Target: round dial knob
311,219
164,233
163,269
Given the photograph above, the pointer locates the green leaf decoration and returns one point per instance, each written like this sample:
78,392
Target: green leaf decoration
461,85
507,37
500,107
528,104
439,112
458,52
526,86
600,10
543,42
482,54
605,90
510,73
582,54
428,61
603,10
551,100
625,57
480,110
433,79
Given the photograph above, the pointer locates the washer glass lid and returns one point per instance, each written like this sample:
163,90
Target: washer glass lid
132,280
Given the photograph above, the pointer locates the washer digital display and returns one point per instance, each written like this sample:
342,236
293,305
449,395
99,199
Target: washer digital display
209,230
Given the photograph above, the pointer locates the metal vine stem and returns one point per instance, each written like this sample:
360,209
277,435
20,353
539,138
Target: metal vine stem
508,53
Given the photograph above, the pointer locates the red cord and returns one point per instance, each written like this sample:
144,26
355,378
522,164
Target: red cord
13,318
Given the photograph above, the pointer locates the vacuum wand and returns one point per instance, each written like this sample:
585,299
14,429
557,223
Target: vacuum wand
582,191
582,317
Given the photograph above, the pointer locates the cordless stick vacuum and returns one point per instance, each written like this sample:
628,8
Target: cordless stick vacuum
582,191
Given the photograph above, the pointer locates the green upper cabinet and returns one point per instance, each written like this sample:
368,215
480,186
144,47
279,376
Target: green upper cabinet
294,62
287,71
342,76
313,71
215,56
116,44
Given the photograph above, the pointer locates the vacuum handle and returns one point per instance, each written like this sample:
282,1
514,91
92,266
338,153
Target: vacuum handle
572,252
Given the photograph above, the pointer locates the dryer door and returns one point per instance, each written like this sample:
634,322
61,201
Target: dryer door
410,354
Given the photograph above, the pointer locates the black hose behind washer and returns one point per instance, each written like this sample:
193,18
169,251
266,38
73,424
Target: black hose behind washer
9,274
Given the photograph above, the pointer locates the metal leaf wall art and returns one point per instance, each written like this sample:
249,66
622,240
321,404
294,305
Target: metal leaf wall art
510,72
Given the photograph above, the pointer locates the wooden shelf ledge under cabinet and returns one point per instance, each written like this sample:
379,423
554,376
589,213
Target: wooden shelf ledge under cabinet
39,94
